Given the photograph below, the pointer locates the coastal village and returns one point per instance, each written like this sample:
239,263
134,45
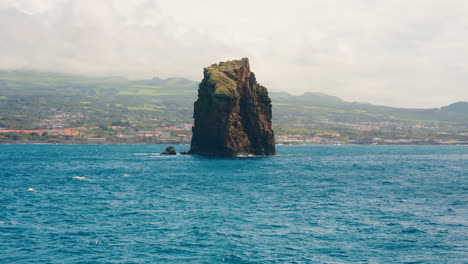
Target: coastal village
57,129
74,128
178,134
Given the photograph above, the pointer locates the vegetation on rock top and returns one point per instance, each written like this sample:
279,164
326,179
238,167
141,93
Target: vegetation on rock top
218,76
224,86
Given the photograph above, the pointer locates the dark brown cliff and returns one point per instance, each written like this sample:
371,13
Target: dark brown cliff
232,113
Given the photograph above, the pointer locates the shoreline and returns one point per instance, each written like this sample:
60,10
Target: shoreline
281,144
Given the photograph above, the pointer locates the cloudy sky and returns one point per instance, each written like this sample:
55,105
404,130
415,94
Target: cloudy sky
407,53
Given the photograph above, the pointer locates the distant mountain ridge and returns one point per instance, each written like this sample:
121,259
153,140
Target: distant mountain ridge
34,95
456,112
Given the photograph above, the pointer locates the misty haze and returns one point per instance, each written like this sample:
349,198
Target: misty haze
398,53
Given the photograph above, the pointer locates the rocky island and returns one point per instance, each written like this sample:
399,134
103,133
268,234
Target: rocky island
169,151
232,113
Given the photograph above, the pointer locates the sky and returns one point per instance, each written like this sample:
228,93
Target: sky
397,53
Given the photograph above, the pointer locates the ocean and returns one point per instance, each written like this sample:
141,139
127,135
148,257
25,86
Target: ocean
309,204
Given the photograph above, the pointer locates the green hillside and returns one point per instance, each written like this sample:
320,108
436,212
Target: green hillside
320,106
26,97
35,96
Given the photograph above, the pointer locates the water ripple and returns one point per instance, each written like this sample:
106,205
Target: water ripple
311,204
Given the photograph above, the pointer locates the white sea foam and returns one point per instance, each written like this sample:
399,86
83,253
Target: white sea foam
162,156
80,178
245,155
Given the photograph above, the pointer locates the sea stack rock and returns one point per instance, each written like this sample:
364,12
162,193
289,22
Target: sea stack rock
232,113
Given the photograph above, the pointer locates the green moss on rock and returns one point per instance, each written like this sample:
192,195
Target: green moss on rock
224,86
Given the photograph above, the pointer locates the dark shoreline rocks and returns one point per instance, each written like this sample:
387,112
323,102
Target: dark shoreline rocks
233,113
169,151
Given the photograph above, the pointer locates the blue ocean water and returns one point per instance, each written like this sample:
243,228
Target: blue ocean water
310,204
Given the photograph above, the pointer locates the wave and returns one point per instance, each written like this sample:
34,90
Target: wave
81,178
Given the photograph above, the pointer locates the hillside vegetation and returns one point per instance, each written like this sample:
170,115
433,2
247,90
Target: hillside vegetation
34,96
27,97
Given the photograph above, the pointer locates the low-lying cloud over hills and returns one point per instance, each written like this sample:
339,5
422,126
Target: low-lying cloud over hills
399,53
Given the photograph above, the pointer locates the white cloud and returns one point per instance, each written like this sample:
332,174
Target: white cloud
401,53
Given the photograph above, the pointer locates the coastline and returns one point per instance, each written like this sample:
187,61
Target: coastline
280,144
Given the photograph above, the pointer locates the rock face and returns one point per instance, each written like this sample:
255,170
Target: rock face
232,113
169,151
